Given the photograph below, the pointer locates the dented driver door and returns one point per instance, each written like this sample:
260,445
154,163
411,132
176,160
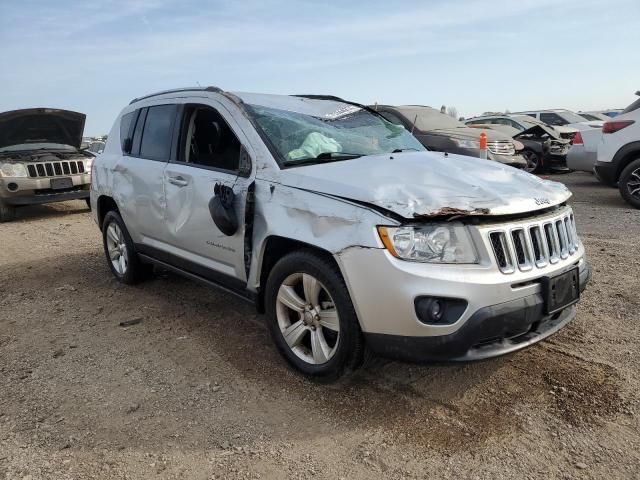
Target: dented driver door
212,164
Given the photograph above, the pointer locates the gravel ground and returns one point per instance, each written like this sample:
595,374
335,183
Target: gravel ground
196,390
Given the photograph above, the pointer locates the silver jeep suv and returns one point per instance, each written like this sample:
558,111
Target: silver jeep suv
40,158
338,225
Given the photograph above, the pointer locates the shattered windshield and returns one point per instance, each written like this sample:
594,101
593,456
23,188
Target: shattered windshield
317,131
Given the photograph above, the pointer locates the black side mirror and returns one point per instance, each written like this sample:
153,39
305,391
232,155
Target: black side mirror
127,144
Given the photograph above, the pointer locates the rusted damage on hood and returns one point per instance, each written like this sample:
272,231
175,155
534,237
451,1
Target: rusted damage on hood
452,212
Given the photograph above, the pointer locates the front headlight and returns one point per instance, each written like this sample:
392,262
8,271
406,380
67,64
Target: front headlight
88,164
13,170
437,243
466,143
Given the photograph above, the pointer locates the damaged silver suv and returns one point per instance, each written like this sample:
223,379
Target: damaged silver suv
339,226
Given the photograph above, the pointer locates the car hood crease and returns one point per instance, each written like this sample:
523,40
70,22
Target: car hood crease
429,184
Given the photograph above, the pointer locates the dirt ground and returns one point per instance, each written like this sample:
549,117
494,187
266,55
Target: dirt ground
196,390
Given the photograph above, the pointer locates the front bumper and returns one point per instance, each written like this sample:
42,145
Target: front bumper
517,161
35,191
384,291
555,161
491,331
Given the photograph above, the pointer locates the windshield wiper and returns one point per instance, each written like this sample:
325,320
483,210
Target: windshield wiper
323,157
400,150
337,155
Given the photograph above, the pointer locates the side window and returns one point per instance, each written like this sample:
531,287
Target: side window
208,140
157,133
552,119
392,118
125,124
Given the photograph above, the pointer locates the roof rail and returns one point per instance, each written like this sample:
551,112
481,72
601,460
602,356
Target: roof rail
178,90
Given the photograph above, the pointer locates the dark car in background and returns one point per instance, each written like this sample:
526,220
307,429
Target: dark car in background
544,146
442,133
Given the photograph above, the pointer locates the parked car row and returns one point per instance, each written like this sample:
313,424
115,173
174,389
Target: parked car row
544,147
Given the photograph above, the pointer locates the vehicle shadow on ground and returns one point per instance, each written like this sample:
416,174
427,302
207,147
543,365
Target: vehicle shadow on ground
194,337
50,210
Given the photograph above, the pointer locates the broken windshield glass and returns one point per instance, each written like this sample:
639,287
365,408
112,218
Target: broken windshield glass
315,131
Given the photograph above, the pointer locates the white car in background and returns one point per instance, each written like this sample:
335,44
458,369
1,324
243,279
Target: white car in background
594,116
561,117
584,150
619,153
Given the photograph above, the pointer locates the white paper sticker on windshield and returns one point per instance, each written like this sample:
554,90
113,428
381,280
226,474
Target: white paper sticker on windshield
341,112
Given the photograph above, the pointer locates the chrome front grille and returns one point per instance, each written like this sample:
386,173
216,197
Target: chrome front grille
501,147
55,169
534,244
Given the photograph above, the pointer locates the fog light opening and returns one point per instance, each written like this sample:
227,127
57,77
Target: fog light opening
439,310
12,187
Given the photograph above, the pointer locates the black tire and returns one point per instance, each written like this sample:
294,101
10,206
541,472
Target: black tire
629,183
350,349
533,159
136,271
7,212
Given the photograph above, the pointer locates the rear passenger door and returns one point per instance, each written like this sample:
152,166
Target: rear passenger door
212,150
147,145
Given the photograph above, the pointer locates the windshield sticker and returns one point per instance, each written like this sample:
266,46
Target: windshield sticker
341,112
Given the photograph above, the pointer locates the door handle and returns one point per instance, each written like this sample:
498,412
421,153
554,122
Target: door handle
178,181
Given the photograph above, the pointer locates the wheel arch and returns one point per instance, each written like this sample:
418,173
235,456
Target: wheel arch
276,247
105,205
625,155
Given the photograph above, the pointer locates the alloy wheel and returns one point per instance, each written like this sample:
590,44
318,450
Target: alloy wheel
532,160
117,248
307,318
633,183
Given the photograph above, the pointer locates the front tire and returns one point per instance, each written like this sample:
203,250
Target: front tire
629,183
311,317
120,252
7,212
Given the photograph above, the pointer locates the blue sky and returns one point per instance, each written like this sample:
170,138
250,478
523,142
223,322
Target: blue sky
95,56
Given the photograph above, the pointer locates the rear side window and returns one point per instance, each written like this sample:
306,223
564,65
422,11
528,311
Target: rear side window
552,119
157,133
634,106
125,125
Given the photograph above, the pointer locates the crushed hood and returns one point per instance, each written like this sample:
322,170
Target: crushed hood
539,130
427,184
41,125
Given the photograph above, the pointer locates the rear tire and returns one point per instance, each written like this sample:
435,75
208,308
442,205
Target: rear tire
308,302
122,258
7,212
629,183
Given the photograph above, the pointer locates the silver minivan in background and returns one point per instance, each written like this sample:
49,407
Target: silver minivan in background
338,225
